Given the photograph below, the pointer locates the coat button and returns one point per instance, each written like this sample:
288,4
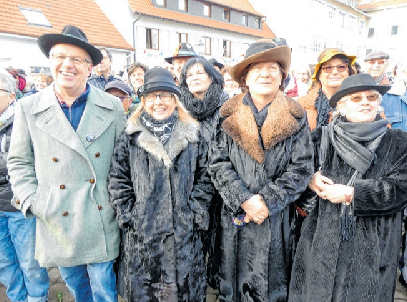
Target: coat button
65,214
62,187
17,202
55,159
97,154
100,207
92,180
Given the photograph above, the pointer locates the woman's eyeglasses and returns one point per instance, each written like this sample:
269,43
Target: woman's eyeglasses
165,97
371,97
340,68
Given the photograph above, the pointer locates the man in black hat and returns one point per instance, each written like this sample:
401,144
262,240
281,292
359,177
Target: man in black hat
182,54
377,62
58,163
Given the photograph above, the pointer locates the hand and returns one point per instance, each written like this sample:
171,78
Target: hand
256,209
318,184
336,193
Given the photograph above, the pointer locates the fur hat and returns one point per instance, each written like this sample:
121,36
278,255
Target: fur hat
158,79
264,50
183,50
70,35
328,54
355,83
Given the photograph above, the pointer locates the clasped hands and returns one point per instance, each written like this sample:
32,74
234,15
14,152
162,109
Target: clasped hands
328,190
256,209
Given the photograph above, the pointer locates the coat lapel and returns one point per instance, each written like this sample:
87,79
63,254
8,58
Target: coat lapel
52,120
281,122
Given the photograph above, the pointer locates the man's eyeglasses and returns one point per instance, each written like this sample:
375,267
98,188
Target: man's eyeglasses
378,62
165,97
59,58
371,97
340,68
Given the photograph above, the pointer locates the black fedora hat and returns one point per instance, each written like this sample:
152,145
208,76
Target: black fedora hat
183,50
70,35
355,83
158,79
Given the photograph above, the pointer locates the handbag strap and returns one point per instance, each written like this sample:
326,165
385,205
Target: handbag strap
324,146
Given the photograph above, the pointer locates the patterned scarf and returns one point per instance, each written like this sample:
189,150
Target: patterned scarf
323,109
161,129
201,109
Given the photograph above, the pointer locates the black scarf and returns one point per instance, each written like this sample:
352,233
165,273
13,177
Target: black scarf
201,109
259,116
161,129
323,108
346,138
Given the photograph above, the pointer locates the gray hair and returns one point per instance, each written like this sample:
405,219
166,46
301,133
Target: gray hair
7,81
343,100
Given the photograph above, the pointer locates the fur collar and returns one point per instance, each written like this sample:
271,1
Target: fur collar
281,122
182,135
308,101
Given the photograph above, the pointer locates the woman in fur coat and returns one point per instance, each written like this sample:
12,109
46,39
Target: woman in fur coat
261,161
349,244
161,191
202,95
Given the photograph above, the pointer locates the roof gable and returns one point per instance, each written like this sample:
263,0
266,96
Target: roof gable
90,18
146,7
365,5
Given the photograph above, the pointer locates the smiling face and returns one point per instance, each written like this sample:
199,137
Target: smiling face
70,78
264,79
198,80
361,106
334,78
137,78
159,108
377,67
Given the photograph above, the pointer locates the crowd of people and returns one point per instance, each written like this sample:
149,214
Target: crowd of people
264,182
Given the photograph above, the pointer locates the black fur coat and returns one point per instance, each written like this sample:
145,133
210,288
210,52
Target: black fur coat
255,259
161,195
363,269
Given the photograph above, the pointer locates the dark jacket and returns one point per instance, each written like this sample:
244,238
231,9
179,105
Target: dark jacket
363,269
5,187
255,259
161,194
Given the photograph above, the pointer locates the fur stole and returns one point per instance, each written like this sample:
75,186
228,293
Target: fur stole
281,122
182,135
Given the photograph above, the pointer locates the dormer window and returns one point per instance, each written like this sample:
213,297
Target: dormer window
35,17
226,15
160,3
183,5
245,20
207,10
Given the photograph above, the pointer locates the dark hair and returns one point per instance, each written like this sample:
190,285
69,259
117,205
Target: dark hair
341,57
225,69
208,67
109,54
357,67
134,66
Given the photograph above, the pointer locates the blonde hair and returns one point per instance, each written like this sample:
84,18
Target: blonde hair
183,114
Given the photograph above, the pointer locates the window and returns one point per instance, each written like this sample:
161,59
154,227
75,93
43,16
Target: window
152,38
182,38
244,20
394,30
160,2
316,44
361,26
207,10
226,48
352,22
183,5
370,33
226,15
257,23
331,12
35,17
342,19
208,46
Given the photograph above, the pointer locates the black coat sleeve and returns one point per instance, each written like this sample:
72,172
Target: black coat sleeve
294,180
224,177
120,185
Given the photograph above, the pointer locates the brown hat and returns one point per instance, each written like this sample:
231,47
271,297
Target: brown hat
263,50
328,54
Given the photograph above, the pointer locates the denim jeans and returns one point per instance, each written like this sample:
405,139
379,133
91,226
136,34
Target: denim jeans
24,279
91,282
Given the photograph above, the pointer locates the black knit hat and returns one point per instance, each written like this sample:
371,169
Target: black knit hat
70,35
355,83
158,79
183,50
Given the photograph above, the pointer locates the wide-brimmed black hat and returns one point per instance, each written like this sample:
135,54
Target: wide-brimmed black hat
158,79
183,50
70,35
264,50
355,83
